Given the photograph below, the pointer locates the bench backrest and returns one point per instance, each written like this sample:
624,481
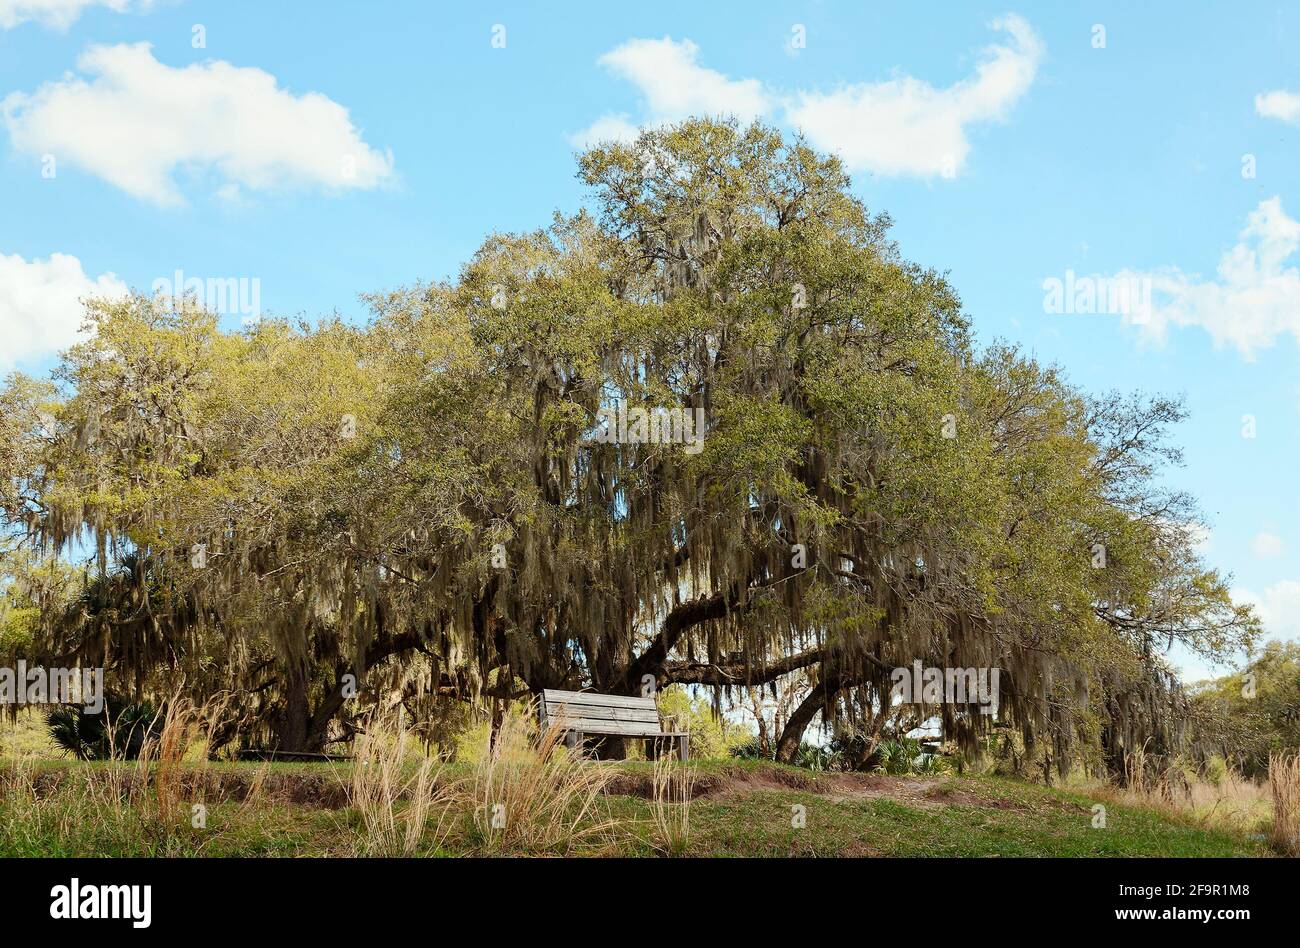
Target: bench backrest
592,713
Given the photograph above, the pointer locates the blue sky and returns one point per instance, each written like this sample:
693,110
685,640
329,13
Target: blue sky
328,150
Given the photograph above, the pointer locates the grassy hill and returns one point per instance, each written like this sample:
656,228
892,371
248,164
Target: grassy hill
736,809
868,815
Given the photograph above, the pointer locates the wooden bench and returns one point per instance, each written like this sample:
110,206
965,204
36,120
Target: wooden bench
579,713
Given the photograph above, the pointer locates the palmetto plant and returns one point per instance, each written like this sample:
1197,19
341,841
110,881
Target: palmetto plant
895,757
751,749
814,757
119,731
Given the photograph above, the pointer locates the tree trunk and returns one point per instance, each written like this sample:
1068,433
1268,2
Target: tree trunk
300,728
792,735
498,718
291,724
787,747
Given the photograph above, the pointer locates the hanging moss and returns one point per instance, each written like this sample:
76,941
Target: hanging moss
871,490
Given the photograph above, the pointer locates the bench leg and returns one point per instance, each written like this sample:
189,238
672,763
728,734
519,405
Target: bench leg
684,747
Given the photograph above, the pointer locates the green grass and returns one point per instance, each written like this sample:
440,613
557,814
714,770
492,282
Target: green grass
24,734
993,818
742,809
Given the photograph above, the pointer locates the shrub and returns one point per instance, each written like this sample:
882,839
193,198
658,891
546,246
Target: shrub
119,731
751,749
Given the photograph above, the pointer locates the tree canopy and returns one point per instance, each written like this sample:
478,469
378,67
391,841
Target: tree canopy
1244,717
429,505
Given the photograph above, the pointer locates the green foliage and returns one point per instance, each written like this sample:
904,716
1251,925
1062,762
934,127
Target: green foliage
810,756
118,732
813,756
712,734
421,505
1241,718
750,749
29,587
905,756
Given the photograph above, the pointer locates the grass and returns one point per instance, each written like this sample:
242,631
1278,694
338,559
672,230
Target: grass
1284,782
959,816
673,787
1226,802
534,797
403,805
530,794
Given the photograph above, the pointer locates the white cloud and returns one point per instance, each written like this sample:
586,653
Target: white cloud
58,14
905,126
1278,608
607,128
40,304
674,86
138,121
1256,296
1279,104
1265,544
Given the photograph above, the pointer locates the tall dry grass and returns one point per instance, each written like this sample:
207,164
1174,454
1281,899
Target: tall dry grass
536,795
141,807
181,736
404,805
673,783
1225,800
525,794
1284,782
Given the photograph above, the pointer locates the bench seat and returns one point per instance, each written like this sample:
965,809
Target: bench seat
580,713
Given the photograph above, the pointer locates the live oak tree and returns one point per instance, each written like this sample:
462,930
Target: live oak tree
430,507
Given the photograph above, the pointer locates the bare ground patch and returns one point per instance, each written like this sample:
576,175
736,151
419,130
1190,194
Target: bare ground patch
732,781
